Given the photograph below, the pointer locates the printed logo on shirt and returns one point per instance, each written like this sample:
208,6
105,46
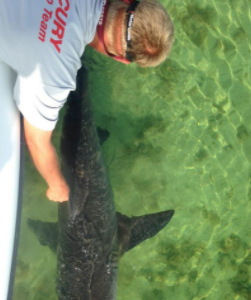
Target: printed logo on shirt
60,17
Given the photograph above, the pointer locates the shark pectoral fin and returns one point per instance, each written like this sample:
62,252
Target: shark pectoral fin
133,231
46,233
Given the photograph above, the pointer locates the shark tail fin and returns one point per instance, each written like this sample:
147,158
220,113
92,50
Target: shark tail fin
46,233
133,231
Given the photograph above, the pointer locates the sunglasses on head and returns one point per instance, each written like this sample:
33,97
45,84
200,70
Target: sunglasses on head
101,26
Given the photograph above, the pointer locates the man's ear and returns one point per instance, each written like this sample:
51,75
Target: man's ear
98,46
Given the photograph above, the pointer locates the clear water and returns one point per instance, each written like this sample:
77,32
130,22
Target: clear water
180,137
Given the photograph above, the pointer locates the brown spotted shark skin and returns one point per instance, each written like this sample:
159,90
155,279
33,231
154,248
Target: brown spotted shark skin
90,236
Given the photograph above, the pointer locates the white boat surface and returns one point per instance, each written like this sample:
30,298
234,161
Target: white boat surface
10,180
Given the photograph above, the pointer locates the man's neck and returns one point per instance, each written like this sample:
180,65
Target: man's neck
116,47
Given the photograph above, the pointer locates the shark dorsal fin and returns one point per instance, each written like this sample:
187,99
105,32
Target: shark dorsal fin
133,231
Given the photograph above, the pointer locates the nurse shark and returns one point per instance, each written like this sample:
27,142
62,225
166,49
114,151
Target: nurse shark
90,236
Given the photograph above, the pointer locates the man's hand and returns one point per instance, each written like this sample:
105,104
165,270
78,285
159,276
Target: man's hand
59,194
45,159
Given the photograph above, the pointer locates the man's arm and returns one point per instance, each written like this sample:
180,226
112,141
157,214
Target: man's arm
45,159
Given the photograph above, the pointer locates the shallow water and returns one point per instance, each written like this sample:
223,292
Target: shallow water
180,137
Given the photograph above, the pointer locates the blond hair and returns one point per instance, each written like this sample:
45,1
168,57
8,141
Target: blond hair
151,34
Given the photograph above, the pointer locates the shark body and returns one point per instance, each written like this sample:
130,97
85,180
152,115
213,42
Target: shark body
90,236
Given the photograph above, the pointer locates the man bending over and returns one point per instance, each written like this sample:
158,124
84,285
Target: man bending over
43,42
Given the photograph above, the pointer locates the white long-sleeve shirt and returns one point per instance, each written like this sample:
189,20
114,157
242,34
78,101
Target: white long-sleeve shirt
43,40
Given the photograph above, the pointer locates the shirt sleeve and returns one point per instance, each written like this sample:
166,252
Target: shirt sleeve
39,102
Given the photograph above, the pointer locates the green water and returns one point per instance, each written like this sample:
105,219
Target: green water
180,137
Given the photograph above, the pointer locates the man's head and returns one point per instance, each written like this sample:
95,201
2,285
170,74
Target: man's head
151,34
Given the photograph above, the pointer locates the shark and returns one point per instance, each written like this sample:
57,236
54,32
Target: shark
90,236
